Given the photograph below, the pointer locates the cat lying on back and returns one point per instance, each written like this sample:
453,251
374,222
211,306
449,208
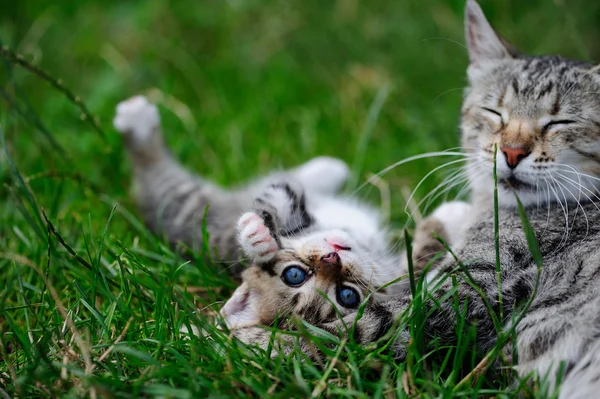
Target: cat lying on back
540,118
305,275
309,248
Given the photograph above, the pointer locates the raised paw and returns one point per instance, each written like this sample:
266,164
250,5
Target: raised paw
137,117
323,174
255,238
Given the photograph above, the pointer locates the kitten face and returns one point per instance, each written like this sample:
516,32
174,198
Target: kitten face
316,276
542,114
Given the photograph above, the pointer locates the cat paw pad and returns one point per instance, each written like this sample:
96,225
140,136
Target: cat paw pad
136,116
255,238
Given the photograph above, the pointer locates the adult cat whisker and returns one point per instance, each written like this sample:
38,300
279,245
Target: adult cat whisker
577,198
447,91
565,209
412,194
548,202
410,159
580,187
581,174
444,189
447,39
456,179
473,181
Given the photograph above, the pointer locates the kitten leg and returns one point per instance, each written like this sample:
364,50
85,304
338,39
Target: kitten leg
172,200
138,122
322,175
282,205
449,222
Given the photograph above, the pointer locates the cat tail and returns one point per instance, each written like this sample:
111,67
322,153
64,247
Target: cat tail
171,200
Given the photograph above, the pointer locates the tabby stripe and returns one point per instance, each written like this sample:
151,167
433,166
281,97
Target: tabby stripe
586,154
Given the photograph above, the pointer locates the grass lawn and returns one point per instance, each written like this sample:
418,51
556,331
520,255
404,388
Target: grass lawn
91,303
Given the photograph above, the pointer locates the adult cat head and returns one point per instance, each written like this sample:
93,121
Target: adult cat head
541,114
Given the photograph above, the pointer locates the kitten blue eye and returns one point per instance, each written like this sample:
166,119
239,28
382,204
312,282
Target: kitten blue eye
348,297
294,276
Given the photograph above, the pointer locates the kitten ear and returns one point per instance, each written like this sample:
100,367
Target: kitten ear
483,42
238,311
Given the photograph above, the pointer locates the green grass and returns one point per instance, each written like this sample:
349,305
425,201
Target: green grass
92,303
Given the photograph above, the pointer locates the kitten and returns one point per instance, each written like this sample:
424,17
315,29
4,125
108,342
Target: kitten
173,201
313,252
540,118
328,270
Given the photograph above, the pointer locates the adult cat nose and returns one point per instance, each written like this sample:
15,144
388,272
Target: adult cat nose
332,258
514,155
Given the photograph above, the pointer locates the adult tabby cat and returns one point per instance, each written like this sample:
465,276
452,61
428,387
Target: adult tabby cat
542,115
292,227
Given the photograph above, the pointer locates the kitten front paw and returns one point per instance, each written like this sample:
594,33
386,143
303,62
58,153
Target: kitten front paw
137,117
255,238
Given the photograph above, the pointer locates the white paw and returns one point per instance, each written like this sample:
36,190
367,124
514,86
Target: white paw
454,215
137,116
255,238
323,174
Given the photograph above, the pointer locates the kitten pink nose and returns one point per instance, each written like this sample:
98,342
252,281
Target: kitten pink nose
514,155
331,258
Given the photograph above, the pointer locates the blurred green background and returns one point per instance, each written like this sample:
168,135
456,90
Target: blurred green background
247,85
244,86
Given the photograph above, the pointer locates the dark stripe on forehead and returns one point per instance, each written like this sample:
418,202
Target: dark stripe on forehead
501,98
556,105
528,63
269,268
547,88
515,85
589,155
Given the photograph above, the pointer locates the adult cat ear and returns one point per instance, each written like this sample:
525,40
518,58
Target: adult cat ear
483,42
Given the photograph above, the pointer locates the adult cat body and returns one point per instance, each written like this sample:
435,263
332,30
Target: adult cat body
539,118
